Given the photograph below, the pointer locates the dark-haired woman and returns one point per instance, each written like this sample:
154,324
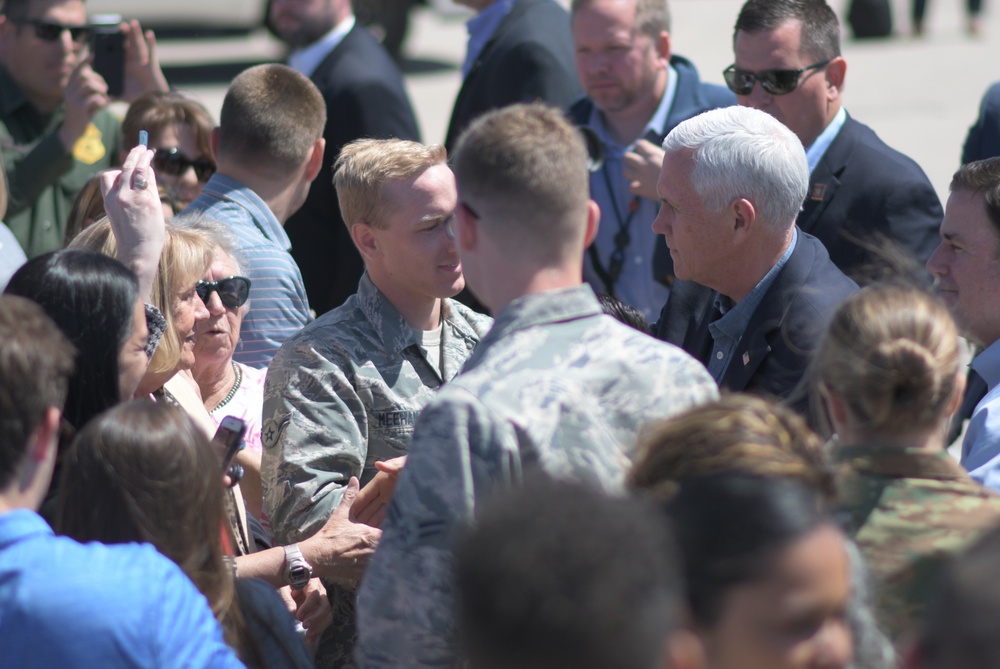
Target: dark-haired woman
143,472
767,573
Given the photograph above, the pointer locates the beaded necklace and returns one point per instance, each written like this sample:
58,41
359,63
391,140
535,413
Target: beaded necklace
232,392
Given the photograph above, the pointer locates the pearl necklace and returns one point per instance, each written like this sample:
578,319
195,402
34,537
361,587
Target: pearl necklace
232,392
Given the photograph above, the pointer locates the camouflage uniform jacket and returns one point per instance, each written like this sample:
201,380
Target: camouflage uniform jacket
557,386
343,393
909,511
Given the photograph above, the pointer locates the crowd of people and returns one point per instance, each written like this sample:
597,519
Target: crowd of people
633,371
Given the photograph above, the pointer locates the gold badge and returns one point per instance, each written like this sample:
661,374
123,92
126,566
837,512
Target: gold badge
89,148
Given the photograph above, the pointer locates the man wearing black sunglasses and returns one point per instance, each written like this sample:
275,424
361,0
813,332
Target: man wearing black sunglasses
788,63
55,130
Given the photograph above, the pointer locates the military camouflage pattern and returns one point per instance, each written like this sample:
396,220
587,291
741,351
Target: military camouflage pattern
909,511
555,385
344,393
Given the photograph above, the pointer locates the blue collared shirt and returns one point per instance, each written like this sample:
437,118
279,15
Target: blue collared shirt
981,447
815,153
307,59
481,28
636,285
728,330
278,304
66,604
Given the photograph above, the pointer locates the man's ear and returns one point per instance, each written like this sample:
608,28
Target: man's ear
363,237
684,650
593,223
314,163
836,73
744,217
213,143
46,436
662,45
467,231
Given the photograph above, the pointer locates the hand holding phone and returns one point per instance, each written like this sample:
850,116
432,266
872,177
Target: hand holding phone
230,437
108,49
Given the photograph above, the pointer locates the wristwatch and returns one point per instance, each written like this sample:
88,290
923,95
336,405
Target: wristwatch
297,570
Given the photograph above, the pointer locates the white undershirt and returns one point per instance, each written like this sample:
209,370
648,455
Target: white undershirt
430,342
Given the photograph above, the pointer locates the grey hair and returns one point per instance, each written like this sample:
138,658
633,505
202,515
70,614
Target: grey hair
223,237
741,152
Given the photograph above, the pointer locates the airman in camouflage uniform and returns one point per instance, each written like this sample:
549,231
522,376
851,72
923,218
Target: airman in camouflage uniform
909,511
345,392
556,386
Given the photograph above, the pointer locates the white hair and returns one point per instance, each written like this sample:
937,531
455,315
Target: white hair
741,152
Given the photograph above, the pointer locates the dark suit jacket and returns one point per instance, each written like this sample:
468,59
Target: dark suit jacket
528,58
983,140
692,98
365,97
772,355
861,187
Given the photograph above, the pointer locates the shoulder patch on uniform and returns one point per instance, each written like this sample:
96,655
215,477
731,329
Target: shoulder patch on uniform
89,148
271,431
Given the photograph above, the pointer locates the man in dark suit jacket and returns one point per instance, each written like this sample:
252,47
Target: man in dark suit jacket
365,97
788,63
983,140
638,91
755,292
520,51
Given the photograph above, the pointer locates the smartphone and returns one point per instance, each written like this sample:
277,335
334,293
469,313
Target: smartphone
108,48
230,437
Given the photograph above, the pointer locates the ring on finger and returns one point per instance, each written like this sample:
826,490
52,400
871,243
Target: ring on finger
139,182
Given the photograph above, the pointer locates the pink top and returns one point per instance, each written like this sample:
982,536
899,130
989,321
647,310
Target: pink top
247,403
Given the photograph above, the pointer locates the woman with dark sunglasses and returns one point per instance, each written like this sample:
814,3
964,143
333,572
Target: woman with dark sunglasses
179,129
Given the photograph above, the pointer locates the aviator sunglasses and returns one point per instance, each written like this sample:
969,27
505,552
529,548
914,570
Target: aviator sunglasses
775,82
173,162
233,291
50,31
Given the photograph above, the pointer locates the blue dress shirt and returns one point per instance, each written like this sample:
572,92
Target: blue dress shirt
981,447
481,28
66,604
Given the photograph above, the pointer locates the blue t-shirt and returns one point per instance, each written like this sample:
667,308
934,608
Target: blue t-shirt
66,604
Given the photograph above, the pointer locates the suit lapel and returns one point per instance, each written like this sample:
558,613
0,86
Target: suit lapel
825,179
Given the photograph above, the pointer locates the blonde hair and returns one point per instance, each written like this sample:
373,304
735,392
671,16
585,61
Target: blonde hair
365,165
738,433
891,354
187,255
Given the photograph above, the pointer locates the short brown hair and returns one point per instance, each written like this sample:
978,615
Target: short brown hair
981,176
156,110
652,17
820,38
738,433
36,362
271,116
526,166
365,165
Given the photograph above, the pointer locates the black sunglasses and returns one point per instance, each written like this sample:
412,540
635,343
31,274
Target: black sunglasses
775,82
233,291
50,31
173,162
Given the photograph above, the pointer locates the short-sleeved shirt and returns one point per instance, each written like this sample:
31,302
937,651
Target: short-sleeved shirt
66,604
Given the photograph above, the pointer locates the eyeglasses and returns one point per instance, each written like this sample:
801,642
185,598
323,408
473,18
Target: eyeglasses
233,291
775,82
174,163
50,31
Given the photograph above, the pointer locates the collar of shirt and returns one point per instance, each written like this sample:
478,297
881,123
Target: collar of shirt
481,28
654,128
550,306
815,153
11,95
900,462
987,365
17,524
393,330
222,187
307,59
729,329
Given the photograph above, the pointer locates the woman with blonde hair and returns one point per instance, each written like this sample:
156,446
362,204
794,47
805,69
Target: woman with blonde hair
886,379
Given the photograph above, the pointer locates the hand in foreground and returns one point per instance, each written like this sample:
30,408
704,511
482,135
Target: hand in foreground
133,207
142,67
342,549
86,93
642,169
373,500
312,609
